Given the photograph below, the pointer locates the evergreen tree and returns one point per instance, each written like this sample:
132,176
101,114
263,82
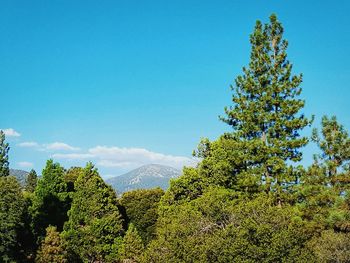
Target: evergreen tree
265,114
331,247
31,181
51,200
51,249
314,197
224,163
132,247
190,185
93,231
4,159
331,172
11,212
141,208
335,146
26,238
322,186
220,226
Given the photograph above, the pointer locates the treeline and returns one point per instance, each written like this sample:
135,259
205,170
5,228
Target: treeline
73,216
248,200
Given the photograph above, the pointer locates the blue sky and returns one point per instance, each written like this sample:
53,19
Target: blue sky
125,83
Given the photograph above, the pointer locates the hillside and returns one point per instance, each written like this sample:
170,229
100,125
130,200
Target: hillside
147,176
20,175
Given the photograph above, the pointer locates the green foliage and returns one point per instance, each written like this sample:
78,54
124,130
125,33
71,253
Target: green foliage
52,249
26,239
220,226
331,247
190,185
322,187
31,181
314,197
222,165
141,210
335,156
225,165
229,208
132,247
71,176
4,159
93,231
265,113
50,201
11,220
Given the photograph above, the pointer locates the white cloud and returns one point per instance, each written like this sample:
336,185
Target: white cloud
57,146
133,157
25,164
108,163
73,156
115,157
11,132
28,144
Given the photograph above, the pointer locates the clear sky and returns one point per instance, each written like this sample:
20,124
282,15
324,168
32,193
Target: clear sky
124,83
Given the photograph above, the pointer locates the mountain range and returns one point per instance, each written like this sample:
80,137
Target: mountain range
144,177
147,176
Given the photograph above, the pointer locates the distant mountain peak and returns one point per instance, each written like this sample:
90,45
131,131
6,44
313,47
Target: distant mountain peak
146,176
156,170
20,175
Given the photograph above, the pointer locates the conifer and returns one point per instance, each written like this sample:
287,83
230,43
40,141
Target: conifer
94,228
51,249
265,115
132,246
51,200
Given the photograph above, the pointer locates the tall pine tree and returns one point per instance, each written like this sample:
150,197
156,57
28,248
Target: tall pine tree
265,114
